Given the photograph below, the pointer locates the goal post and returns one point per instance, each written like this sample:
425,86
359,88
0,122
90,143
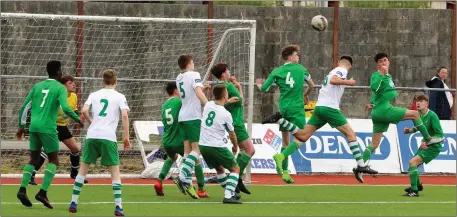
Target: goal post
144,52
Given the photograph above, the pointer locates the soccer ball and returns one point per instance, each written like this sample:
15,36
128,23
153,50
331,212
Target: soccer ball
319,23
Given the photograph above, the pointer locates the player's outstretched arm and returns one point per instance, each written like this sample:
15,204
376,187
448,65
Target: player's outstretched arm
310,87
200,95
26,105
85,112
338,81
63,95
125,124
264,86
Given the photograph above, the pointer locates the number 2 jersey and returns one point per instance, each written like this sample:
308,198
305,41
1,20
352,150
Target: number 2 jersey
47,97
216,121
290,78
330,95
106,106
172,136
191,107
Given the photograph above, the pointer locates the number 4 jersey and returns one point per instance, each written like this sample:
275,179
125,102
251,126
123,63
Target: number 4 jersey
330,95
106,106
172,136
216,121
290,78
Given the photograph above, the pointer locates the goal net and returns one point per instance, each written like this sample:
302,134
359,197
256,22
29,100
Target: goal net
144,52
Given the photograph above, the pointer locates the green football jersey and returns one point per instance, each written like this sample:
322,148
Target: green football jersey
290,78
432,123
383,88
172,136
235,109
47,97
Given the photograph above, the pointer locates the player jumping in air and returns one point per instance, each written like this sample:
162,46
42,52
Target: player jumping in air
172,138
426,153
215,122
191,91
384,113
46,97
101,140
290,78
234,89
327,110
63,132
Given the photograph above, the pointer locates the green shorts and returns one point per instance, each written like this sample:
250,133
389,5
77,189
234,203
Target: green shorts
241,133
172,150
385,114
430,153
294,115
49,142
324,114
215,157
191,130
96,148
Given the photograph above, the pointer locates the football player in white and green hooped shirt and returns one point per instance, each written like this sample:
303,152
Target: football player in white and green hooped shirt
191,90
107,104
327,110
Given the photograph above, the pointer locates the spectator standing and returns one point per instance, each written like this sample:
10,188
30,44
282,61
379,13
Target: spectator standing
440,102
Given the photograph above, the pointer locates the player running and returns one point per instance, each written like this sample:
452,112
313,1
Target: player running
101,140
216,120
63,133
46,97
172,138
327,110
191,91
384,113
425,153
234,89
290,78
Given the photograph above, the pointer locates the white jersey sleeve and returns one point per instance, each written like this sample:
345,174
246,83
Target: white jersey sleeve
229,122
89,100
340,73
196,80
123,103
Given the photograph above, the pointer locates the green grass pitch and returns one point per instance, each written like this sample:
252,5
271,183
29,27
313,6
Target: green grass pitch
292,200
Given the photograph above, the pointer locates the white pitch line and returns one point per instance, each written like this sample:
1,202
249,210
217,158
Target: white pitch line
259,202
294,185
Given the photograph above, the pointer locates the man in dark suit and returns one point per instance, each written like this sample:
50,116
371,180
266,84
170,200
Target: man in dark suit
440,101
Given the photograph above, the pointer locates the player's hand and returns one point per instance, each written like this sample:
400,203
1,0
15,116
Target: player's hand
384,69
235,149
306,98
126,143
206,86
351,82
20,133
259,82
368,107
406,130
234,81
233,100
424,146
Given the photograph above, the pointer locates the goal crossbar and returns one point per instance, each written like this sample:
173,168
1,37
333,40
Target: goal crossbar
124,19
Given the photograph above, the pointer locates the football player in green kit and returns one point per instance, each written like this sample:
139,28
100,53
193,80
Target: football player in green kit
383,113
426,153
290,78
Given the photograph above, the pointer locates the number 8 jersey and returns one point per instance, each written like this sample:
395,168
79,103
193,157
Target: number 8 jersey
216,121
106,106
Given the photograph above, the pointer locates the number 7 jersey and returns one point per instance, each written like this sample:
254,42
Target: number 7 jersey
106,107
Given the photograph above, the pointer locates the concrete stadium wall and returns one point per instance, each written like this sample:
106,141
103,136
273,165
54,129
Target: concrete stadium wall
417,40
